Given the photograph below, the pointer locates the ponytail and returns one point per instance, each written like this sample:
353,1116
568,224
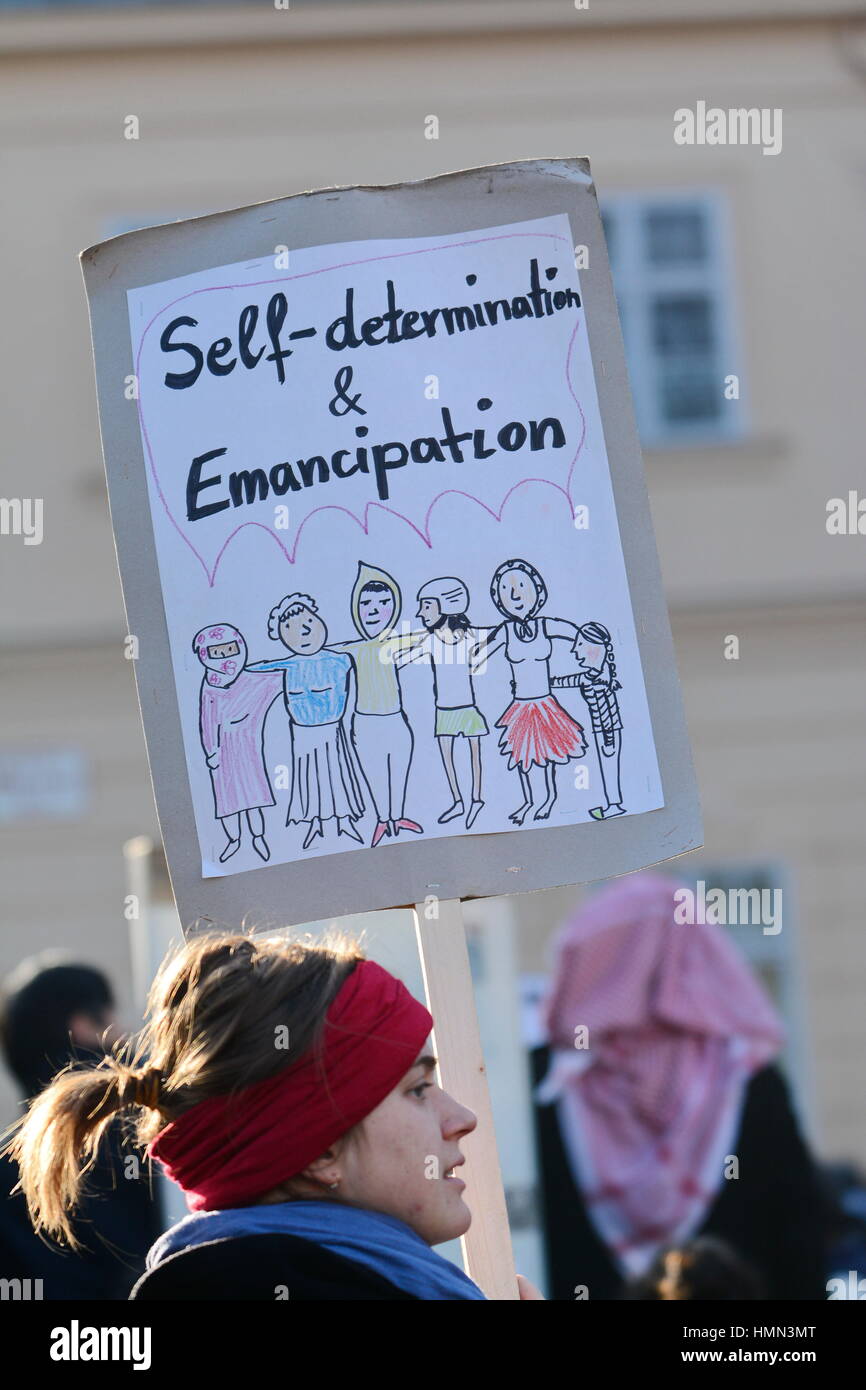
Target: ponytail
597,633
56,1143
611,666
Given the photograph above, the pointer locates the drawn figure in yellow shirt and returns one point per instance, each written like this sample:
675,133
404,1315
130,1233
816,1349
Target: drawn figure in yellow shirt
381,734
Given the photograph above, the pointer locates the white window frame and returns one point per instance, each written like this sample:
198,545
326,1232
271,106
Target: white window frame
636,280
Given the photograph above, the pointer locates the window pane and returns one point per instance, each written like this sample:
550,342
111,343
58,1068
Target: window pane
684,339
690,392
682,323
675,235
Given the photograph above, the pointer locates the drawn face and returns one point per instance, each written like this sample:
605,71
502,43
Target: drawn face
429,612
590,655
400,1161
304,633
223,651
517,593
376,609
220,651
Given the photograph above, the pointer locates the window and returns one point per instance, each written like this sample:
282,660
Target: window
670,264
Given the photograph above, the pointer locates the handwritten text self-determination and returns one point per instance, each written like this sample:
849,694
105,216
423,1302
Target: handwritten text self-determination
210,490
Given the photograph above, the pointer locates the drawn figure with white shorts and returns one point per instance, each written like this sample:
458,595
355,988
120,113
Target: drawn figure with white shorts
232,709
316,684
536,730
381,734
448,645
597,683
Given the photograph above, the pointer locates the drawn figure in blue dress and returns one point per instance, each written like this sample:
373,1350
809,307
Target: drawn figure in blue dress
316,687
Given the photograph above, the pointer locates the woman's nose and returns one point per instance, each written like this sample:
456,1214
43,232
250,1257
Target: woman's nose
459,1120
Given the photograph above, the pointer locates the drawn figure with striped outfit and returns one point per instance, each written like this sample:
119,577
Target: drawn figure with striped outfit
447,645
536,730
381,734
597,683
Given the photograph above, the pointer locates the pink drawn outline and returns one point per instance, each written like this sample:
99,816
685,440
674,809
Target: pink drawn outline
363,522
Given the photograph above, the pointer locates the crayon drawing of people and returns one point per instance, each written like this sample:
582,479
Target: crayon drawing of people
381,733
597,683
316,685
447,646
232,708
536,730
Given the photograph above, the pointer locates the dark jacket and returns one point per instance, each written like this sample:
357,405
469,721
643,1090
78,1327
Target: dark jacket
264,1268
772,1214
117,1223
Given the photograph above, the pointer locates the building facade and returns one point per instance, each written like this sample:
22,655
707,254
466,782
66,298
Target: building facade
737,269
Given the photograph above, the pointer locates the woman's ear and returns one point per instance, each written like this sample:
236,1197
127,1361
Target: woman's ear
323,1172
325,1169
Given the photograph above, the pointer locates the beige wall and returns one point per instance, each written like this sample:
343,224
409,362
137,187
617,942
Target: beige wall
231,127
778,737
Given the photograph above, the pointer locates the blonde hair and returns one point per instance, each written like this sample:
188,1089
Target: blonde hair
215,1012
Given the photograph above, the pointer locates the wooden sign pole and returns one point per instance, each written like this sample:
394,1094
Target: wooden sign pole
450,998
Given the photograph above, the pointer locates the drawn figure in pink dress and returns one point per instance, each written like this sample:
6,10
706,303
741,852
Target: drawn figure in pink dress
232,712
536,730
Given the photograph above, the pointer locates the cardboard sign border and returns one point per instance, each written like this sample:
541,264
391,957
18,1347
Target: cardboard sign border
465,866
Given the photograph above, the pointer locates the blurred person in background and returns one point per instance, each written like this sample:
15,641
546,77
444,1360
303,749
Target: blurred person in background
704,1270
55,1012
659,1073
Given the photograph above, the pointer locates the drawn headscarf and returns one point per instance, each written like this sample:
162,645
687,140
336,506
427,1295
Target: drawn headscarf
369,574
221,670
523,626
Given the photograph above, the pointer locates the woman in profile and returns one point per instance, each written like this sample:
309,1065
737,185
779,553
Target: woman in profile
289,1090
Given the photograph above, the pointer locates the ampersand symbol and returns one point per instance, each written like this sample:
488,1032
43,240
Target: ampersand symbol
342,382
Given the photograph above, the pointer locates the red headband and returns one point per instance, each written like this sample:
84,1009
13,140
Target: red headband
227,1150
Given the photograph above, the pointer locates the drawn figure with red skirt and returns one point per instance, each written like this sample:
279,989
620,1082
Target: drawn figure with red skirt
536,730
232,709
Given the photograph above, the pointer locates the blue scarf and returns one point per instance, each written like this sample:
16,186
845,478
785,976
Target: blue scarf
379,1242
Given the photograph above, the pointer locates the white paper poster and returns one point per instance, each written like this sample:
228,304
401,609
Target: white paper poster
388,548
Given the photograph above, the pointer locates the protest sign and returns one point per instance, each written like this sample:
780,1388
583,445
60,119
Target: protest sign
385,547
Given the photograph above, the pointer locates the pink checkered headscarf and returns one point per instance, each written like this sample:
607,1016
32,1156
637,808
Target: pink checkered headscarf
676,1025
